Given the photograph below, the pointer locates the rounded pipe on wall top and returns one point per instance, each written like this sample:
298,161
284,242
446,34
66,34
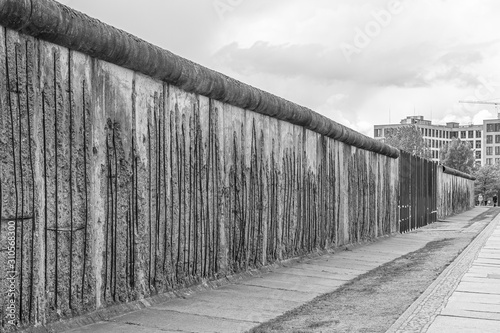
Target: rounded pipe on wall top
455,172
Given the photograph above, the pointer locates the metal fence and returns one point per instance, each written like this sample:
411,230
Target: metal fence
417,192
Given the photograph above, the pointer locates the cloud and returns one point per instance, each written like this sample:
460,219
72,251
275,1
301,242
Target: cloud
468,118
407,66
320,63
482,115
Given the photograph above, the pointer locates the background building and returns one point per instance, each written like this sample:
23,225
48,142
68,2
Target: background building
491,141
484,139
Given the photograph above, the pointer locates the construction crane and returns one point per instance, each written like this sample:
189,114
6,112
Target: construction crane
496,104
480,102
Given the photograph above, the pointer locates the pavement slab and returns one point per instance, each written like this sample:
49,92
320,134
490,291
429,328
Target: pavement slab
184,322
223,310
478,312
340,272
488,286
318,274
459,297
444,324
300,286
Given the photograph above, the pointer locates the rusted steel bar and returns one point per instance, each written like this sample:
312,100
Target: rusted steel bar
56,23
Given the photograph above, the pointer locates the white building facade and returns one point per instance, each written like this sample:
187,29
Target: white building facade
484,139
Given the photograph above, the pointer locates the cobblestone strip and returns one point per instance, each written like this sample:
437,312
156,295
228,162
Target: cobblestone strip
420,315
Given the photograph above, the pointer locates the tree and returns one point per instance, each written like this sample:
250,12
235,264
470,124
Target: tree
487,180
408,138
458,155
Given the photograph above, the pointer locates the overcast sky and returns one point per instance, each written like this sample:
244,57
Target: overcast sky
357,62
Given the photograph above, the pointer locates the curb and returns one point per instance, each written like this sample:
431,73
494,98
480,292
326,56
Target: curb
421,314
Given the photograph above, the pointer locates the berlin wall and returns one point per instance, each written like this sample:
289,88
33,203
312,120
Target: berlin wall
127,171
455,193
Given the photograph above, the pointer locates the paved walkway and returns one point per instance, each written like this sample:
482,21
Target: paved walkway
243,305
466,296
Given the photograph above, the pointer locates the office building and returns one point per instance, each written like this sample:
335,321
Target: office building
484,139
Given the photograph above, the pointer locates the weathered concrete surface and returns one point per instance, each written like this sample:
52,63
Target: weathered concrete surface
466,296
455,192
239,307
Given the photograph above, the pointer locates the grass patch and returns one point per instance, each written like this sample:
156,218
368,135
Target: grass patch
372,301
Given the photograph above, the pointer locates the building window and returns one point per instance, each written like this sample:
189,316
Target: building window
463,134
497,160
489,151
489,139
497,138
471,144
471,134
497,150
478,134
378,132
493,127
478,144
488,161
426,132
478,154
453,135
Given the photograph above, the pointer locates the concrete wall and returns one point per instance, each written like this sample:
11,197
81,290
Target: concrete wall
121,186
455,192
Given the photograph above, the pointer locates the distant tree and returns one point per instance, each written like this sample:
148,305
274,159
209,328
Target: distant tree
408,138
458,155
487,180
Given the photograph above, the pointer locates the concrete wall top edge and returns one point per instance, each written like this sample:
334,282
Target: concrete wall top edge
457,173
58,24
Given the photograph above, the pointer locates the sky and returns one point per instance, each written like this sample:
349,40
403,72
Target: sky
360,63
